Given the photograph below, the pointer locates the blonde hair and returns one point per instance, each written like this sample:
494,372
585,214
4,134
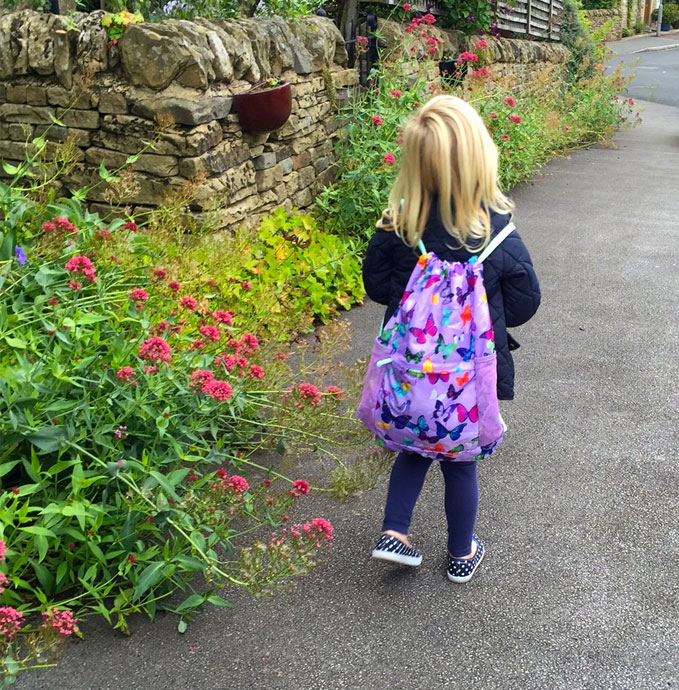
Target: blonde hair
448,152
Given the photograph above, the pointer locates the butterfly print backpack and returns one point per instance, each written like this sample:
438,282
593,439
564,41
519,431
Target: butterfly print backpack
431,382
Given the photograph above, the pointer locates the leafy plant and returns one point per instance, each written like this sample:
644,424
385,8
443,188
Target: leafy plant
115,24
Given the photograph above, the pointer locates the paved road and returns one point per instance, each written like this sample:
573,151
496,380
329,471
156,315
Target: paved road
579,508
655,62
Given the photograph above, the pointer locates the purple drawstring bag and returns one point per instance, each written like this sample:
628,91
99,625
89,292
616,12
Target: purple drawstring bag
431,383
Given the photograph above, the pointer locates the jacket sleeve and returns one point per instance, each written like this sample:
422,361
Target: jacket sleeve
378,266
520,286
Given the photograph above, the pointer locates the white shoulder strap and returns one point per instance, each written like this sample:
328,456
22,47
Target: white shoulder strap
496,241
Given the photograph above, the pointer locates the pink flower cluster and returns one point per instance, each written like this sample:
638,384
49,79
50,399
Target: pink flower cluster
205,381
299,487
377,120
188,303
309,392
510,101
3,581
81,264
59,224
3,550
225,317
125,374
389,158
466,56
131,226
210,332
235,481
336,392
481,44
138,295
319,530
155,350
515,118
11,621
64,622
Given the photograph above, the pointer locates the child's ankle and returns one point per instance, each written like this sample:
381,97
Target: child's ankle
398,535
468,556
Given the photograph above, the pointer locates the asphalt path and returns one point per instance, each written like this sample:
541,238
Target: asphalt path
654,61
579,507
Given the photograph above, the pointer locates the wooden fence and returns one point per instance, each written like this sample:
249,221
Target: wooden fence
531,18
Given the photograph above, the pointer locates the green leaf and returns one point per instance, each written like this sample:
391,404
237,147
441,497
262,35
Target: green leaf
218,601
191,602
5,467
48,439
164,483
42,544
17,343
9,169
37,530
151,576
182,626
56,120
44,576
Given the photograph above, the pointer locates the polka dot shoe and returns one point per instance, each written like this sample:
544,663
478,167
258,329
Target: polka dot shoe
392,549
462,569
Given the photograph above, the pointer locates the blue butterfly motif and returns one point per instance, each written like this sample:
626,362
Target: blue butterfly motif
454,434
445,316
400,422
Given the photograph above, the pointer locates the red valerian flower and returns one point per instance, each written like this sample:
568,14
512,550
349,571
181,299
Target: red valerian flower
515,118
130,226
249,343
466,56
389,158
74,285
482,73
505,137
199,378
309,392
510,101
63,622
138,295
335,392
160,274
10,621
224,317
429,19
396,93
228,361
81,264
155,350
219,390
255,372
188,302
173,285
407,6
210,332
247,286
481,44
493,116
301,485
131,558
125,374
377,120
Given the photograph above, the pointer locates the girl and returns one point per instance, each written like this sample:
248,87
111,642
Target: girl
446,195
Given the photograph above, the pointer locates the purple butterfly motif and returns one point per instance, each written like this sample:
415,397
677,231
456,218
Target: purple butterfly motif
422,333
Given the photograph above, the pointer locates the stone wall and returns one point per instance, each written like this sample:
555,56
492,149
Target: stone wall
597,18
112,98
171,84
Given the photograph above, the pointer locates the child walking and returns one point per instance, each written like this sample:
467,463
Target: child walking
446,198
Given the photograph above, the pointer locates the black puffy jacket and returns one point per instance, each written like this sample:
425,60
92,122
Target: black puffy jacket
511,284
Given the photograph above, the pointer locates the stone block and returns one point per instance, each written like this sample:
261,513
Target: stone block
80,137
266,160
306,176
286,165
14,150
292,183
160,166
16,93
231,186
36,95
32,115
83,119
323,163
58,95
227,154
16,131
301,160
326,177
303,198
3,93
282,151
266,179
185,111
112,102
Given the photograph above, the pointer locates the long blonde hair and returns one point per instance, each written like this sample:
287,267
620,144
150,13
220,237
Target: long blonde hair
448,152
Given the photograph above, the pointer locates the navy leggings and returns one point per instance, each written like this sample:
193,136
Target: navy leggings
461,498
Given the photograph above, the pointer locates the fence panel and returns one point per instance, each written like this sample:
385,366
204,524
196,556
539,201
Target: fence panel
531,18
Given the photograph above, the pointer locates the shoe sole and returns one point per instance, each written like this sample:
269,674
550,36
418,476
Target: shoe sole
466,578
396,558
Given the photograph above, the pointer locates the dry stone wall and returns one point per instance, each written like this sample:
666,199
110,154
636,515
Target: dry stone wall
597,18
172,84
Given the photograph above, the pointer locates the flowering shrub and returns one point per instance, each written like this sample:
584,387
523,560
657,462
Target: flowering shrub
134,403
529,125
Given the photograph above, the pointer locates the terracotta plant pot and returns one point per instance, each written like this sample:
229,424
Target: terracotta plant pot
264,109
